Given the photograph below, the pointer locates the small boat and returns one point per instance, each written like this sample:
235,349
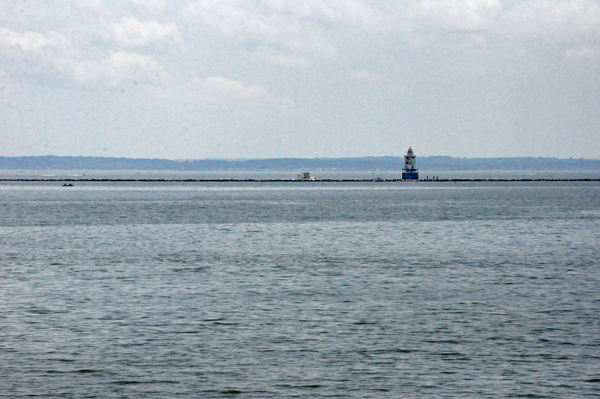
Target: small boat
306,177
67,185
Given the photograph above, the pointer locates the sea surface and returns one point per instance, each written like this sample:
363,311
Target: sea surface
300,290
319,174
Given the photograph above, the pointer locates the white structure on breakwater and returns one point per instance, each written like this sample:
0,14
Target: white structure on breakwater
410,171
306,177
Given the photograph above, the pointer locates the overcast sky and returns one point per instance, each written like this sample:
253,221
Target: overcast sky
300,78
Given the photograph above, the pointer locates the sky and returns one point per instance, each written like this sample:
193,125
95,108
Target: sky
201,79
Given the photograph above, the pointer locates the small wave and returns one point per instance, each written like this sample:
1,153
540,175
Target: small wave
307,386
227,391
40,311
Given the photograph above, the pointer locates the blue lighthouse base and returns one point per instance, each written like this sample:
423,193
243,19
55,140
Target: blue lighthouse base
410,175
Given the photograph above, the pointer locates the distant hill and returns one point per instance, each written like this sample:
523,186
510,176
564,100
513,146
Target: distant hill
433,163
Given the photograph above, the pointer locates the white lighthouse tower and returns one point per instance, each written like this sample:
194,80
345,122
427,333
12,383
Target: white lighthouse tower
410,171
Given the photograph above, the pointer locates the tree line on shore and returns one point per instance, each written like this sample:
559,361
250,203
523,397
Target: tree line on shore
438,163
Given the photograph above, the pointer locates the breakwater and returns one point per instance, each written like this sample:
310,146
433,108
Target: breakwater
289,180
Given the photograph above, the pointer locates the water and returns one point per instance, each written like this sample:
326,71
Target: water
300,290
319,174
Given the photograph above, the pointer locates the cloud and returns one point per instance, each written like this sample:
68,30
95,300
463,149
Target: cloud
557,20
216,89
462,15
31,41
154,5
286,33
134,33
231,19
584,52
31,53
119,68
538,19
43,54
347,12
475,34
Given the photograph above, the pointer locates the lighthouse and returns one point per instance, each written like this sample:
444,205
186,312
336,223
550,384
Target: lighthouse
410,171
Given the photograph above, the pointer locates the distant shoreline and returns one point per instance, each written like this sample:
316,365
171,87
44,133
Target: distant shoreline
297,165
